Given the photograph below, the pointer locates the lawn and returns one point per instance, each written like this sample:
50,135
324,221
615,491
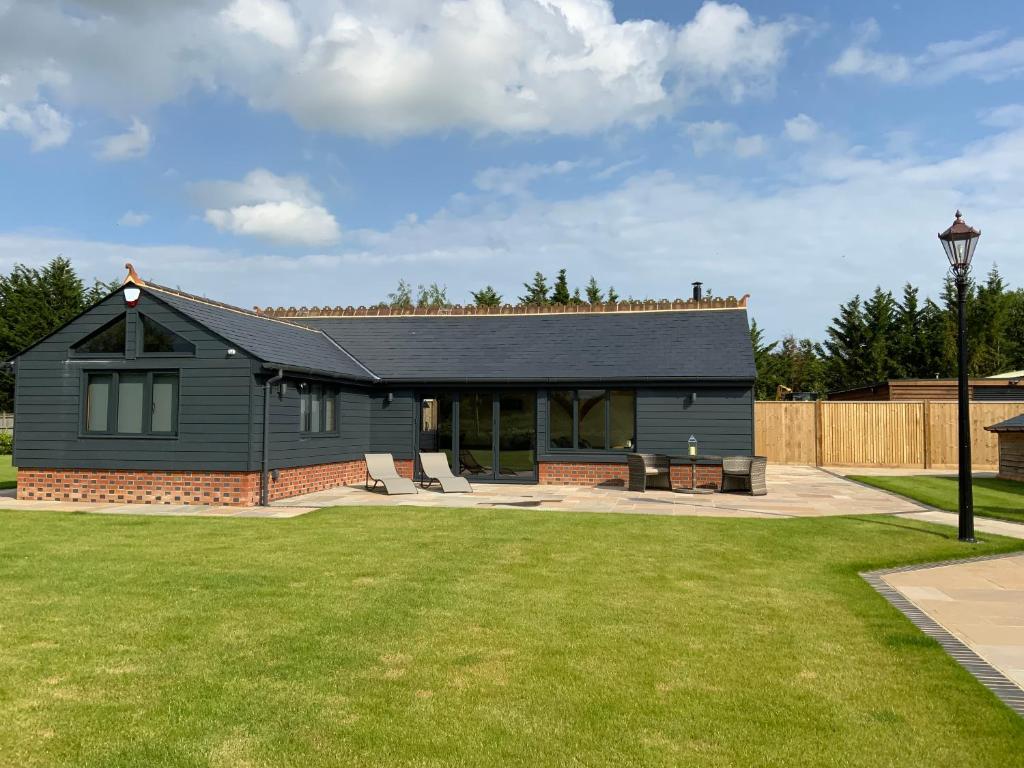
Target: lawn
8,474
1003,499
428,637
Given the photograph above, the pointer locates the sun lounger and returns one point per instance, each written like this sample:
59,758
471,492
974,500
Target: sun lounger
380,467
436,469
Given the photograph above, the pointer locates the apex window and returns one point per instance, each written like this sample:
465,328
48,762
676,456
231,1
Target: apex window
131,403
592,419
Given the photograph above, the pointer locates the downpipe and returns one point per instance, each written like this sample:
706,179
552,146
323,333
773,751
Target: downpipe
265,471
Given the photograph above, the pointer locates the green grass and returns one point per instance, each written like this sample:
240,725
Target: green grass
8,474
1002,499
429,637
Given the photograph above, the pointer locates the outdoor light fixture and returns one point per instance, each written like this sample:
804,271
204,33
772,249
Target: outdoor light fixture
692,444
959,242
132,294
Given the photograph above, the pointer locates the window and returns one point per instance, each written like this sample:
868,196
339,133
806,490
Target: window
318,408
158,340
131,403
560,412
108,340
592,419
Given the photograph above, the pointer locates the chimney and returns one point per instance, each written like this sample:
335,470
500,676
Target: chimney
697,295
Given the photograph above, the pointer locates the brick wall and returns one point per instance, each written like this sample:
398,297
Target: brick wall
582,473
578,473
112,486
295,481
139,486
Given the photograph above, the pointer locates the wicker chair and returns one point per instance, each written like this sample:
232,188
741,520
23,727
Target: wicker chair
649,470
745,473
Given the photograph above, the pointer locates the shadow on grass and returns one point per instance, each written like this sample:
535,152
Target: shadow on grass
904,524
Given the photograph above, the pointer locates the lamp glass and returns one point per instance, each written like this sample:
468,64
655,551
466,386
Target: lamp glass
132,294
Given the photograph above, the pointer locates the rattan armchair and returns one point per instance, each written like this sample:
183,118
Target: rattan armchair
745,473
649,470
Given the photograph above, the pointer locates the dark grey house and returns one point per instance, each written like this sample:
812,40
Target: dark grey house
156,395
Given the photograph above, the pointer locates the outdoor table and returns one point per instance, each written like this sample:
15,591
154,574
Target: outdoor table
693,474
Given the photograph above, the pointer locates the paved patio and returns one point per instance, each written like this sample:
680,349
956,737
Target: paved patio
981,603
792,492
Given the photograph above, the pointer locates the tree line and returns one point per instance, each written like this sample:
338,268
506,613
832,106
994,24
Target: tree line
868,341
36,302
884,337
536,293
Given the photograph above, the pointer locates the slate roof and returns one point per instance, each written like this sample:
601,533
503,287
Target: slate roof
614,346
1016,424
275,342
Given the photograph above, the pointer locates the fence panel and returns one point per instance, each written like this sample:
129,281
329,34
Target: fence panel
784,432
984,445
6,422
877,434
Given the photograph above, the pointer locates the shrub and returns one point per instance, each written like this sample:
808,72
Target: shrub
6,443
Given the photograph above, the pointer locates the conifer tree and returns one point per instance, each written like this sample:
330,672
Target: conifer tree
560,294
594,294
486,297
536,292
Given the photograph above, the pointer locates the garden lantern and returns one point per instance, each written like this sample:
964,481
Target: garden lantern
959,242
692,444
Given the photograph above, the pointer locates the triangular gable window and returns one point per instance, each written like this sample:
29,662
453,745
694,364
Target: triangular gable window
156,339
108,340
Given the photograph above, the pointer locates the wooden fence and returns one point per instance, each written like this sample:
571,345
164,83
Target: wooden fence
6,422
875,434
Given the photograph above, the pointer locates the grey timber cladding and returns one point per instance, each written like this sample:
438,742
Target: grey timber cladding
273,341
291,448
213,403
634,346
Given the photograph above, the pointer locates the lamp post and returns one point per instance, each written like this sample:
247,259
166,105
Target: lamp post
959,242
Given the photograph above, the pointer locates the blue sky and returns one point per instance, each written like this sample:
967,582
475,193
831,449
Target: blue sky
314,152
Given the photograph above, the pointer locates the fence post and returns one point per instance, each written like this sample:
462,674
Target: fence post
927,438
818,437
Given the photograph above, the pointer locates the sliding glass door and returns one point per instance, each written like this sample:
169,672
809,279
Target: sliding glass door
517,435
486,434
476,435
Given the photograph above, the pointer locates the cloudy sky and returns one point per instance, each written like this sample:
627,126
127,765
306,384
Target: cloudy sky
316,151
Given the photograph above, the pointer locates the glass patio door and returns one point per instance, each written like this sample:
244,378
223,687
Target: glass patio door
476,435
485,434
517,435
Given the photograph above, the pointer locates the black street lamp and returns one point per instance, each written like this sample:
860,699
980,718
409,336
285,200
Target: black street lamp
959,242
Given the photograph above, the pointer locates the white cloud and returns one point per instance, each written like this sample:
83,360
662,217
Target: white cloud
801,128
649,235
43,125
270,20
750,146
133,219
388,68
283,209
988,57
516,180
860,59
717,135
724,46
133,143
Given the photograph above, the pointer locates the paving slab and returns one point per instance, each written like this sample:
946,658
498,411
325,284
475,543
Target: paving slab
987,616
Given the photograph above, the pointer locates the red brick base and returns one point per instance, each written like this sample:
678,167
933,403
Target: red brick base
579,473
115,486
